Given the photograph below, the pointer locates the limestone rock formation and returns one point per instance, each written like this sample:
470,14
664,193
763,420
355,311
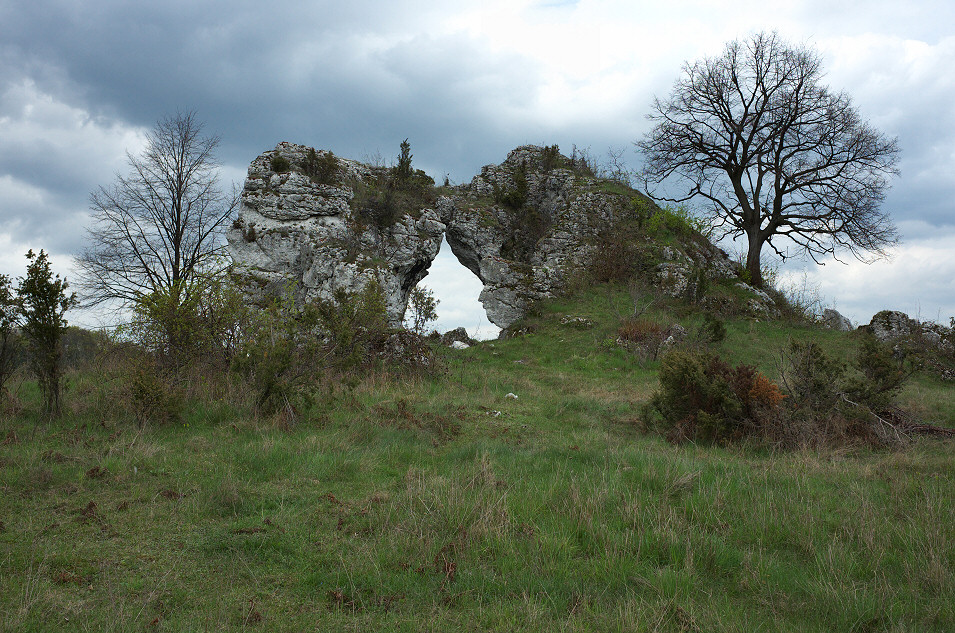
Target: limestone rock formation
834,320
306,234
891,325
457,335
526,226
314,223
522,226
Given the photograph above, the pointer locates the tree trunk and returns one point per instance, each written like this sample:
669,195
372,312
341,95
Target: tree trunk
752,262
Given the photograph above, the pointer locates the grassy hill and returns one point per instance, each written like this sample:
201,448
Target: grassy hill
440,503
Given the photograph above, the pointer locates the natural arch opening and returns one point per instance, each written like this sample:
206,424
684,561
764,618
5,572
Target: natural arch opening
457,289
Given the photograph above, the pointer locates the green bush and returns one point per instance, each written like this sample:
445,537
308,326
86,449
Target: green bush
881,375
616,255
813,379
9,338
423,309
514,197
358,337
551,158
181,336
642,336
832,402
281,355
321,169
383,200
378,207
711,331
152,393
279,164
620,250
680,221
43,303
355,325
703,399
584,163
82,347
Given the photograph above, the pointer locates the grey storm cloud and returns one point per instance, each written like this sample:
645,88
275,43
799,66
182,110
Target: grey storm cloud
343,75
80,82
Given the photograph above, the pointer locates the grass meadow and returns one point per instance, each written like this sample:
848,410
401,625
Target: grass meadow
440,503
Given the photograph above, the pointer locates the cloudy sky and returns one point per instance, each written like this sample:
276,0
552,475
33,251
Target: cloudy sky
80,83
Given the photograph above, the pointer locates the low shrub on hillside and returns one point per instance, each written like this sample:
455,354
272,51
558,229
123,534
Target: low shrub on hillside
514,198
321,169
703,399
822,401
354,324
282,355
152,393
392,193
679,221
358,337
182,325
642,336
820,383
289,350
279,164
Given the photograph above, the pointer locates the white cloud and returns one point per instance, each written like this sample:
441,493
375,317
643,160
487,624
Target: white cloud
59,141
457,289
919,280
52,154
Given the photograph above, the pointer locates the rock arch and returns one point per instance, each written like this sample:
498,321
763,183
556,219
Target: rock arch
522,227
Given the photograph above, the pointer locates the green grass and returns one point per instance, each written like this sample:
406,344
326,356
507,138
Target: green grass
440,504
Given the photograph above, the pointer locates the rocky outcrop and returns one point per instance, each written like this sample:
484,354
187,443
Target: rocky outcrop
891,325
834,320
296,235
526,226
931,343
457,335
523,227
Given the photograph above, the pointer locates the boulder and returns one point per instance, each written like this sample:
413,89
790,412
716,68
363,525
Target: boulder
674,335
760,305
833,320
891,324
457,335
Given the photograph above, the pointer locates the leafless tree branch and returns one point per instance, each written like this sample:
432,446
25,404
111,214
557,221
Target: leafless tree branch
772,152
159,227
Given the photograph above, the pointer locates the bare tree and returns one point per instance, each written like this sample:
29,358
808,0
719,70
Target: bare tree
773,154
158,229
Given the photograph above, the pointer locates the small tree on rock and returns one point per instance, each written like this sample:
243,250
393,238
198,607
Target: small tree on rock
43,303
422,309
403,171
